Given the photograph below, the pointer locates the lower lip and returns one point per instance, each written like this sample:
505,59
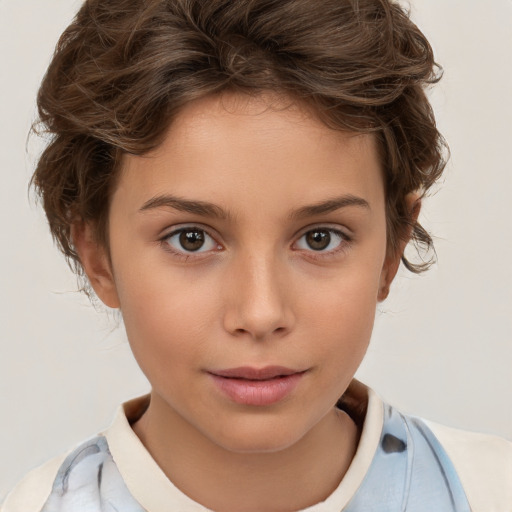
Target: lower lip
257,392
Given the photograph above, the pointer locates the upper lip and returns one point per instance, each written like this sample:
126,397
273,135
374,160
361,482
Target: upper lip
250,373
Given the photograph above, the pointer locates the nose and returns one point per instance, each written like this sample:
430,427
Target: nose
258,299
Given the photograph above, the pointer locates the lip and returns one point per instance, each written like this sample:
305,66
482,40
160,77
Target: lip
250,373
257,386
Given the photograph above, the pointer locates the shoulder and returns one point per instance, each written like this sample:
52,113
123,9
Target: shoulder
31,493
483,463
478,465
72,475
87,478
50,486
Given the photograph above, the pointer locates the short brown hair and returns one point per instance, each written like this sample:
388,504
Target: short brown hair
123,69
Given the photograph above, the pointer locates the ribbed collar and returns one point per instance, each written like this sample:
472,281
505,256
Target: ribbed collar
156,493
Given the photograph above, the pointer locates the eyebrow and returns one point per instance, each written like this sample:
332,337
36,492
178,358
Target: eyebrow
329,206
202,208
206,209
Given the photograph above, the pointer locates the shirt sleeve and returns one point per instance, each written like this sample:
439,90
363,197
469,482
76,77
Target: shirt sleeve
31,493
484,465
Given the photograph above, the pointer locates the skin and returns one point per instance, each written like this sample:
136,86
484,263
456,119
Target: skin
256,294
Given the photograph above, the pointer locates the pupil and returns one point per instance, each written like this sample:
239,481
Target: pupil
192,240
318,240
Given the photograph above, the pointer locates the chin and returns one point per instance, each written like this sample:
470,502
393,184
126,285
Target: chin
257,436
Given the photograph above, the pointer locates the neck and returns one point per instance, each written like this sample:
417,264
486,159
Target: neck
293,478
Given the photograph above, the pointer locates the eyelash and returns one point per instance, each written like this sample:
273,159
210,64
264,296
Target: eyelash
344,244
182,254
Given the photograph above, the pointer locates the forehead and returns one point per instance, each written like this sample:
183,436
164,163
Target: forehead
235,147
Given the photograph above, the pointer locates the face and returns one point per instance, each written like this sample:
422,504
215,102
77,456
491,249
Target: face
248,254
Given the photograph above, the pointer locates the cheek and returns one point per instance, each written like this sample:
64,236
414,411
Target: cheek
167,316
338,324
348,317
342,313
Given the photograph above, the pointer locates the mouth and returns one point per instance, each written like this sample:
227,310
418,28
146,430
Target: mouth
257,386
256,374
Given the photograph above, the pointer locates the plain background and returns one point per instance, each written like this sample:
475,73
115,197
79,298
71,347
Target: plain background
442,345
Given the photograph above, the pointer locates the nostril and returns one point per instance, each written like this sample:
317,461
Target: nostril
276,331
258,315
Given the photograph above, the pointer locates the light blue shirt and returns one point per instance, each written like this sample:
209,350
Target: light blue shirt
410,472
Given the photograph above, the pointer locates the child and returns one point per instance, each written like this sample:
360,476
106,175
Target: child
240,180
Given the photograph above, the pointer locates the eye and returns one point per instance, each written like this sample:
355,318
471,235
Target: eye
190,240
321,240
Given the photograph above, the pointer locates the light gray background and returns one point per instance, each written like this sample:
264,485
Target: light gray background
442,346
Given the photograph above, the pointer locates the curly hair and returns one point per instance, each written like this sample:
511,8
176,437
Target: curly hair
123,69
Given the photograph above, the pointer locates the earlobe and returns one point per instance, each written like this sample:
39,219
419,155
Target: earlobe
386,278
95,262
392,261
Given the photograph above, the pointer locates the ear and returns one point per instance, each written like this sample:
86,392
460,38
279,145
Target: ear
96,263
392,262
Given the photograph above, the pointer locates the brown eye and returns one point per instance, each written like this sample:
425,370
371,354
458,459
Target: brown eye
322,240
318,239
188,240
192,239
